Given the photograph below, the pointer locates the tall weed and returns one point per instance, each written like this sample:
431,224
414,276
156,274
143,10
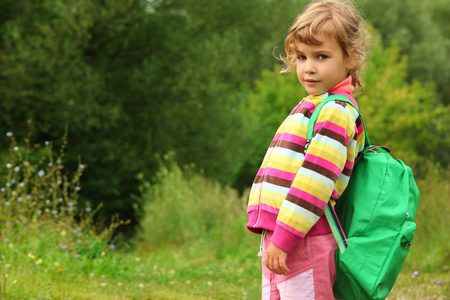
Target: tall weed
430,250
185,209
42,225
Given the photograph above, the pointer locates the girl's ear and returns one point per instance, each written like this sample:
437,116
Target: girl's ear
351,60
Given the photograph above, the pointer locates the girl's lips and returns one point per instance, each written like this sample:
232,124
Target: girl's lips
311,82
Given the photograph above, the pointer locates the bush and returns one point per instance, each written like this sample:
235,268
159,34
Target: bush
184,208
431,246
40,217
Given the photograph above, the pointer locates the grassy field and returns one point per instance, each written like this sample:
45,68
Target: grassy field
193,243
186,273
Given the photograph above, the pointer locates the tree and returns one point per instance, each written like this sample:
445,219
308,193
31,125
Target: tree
61,65
405,116
134,80
421,30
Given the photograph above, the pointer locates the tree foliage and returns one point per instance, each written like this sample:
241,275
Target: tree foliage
134,80
422,32
405,116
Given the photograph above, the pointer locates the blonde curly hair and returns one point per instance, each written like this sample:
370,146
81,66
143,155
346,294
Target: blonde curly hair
338,20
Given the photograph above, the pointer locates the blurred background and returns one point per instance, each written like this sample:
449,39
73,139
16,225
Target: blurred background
168,106
139,91
135,80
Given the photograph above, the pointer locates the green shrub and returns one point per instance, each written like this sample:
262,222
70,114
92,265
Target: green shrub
431,246
41,221
184,208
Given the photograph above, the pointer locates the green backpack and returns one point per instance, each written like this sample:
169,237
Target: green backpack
373,221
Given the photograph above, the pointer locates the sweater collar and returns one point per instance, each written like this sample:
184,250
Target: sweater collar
343,86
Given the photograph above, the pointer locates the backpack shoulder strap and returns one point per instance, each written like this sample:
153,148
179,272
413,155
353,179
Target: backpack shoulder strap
330,214
315,115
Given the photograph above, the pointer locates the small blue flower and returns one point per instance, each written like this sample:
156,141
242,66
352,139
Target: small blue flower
13,181
42,235
88,209
22,184
82,166
7,203
28,197
47,143
49,164
77,188
112,247
9,134
9,166
416,273
19,199
438,281
55,212
41,173
16,169
25,228
71,204
39,212
78,228
61,199
7,240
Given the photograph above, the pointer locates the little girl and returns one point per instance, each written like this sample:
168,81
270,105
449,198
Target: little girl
292,187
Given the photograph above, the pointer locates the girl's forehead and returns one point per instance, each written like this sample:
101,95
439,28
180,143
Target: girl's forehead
321,42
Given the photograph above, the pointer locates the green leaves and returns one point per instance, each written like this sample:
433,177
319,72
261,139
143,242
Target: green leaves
134,80
404,116
420,29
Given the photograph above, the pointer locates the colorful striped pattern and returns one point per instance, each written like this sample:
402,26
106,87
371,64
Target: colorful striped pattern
299,186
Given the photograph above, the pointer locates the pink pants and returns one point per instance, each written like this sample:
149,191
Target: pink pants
312,270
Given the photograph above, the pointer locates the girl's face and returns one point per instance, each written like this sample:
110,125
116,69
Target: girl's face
321,67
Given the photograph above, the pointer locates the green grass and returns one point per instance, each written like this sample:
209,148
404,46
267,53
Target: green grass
176,273
423,286
193,243
163,274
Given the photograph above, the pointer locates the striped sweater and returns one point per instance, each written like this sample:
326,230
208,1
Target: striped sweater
291,189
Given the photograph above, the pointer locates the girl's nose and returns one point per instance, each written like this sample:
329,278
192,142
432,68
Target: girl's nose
309,67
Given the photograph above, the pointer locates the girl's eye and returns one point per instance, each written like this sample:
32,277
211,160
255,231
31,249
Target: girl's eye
322,57
301,57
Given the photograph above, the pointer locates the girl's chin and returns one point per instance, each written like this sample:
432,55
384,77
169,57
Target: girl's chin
314,92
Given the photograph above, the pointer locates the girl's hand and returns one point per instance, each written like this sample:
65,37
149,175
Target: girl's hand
275,260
